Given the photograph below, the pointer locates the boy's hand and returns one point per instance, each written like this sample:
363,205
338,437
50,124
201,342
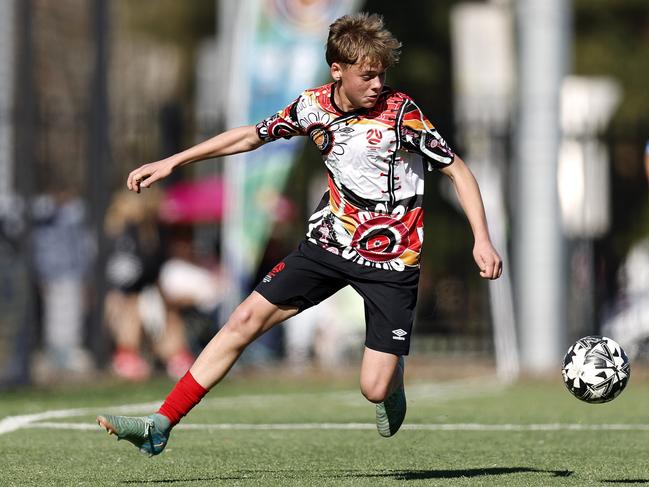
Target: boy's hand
144,176
488,260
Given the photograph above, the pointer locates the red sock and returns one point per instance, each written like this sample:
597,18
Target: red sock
186,394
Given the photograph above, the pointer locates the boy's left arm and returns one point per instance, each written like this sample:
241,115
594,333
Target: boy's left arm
468,192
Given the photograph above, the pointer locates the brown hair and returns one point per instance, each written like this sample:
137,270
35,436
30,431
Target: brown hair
361,37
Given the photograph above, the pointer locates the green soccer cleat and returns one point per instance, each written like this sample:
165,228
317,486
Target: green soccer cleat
391,412
149,434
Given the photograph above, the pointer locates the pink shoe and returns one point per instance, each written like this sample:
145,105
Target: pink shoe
130,365
179,364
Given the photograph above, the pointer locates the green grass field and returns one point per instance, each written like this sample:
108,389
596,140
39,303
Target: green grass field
270,429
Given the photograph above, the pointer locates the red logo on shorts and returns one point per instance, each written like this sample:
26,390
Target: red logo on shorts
274,271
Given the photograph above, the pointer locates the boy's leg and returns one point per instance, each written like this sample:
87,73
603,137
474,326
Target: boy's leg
382,383
251,318
390,300
380,375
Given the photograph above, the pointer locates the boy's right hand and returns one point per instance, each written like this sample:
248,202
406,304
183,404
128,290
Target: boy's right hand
144,176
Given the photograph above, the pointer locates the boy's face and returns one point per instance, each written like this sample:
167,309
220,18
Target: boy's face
359,85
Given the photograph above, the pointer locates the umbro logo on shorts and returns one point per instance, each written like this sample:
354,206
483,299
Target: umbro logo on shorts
399,334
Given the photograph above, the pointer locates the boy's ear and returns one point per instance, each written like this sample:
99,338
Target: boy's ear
336,71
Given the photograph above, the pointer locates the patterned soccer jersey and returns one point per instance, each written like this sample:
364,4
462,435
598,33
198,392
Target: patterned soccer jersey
376,158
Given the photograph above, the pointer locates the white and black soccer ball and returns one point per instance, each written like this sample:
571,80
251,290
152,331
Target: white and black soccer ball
596,369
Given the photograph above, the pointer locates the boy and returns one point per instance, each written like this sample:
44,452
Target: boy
367,231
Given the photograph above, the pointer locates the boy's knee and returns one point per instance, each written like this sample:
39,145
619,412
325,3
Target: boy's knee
242,315
375,392
243,324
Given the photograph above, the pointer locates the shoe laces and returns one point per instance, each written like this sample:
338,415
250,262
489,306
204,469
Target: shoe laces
148,426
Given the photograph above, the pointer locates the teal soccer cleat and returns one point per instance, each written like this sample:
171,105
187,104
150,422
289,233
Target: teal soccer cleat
391,412
149,434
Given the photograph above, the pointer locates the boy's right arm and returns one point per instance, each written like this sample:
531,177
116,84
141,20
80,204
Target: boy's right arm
233,141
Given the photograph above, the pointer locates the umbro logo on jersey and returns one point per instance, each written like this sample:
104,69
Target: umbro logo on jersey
399,334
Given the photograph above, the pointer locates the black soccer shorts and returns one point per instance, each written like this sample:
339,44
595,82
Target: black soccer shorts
311,274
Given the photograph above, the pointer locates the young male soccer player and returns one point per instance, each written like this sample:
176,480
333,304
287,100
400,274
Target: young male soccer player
367,231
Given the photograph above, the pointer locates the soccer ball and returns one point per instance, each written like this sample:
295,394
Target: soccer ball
596,369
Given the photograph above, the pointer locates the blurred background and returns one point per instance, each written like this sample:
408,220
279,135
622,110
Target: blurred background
545,99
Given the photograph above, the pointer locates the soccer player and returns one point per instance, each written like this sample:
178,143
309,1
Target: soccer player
366,232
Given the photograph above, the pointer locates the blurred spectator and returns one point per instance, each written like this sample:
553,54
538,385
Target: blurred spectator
629,324
63,254
135,308
193,287
15,294
328,334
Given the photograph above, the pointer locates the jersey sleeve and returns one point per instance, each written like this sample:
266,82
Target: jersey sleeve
283,124
418,135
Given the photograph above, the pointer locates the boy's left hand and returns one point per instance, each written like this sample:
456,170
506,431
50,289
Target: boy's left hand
488,260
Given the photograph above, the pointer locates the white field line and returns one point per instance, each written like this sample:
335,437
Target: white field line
372,426
438,392
13,423
428,391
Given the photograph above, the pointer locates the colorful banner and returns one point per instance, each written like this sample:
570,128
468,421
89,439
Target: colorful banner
277,52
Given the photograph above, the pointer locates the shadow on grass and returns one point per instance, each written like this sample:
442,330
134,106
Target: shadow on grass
452,474
173,481
340,474
626,481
